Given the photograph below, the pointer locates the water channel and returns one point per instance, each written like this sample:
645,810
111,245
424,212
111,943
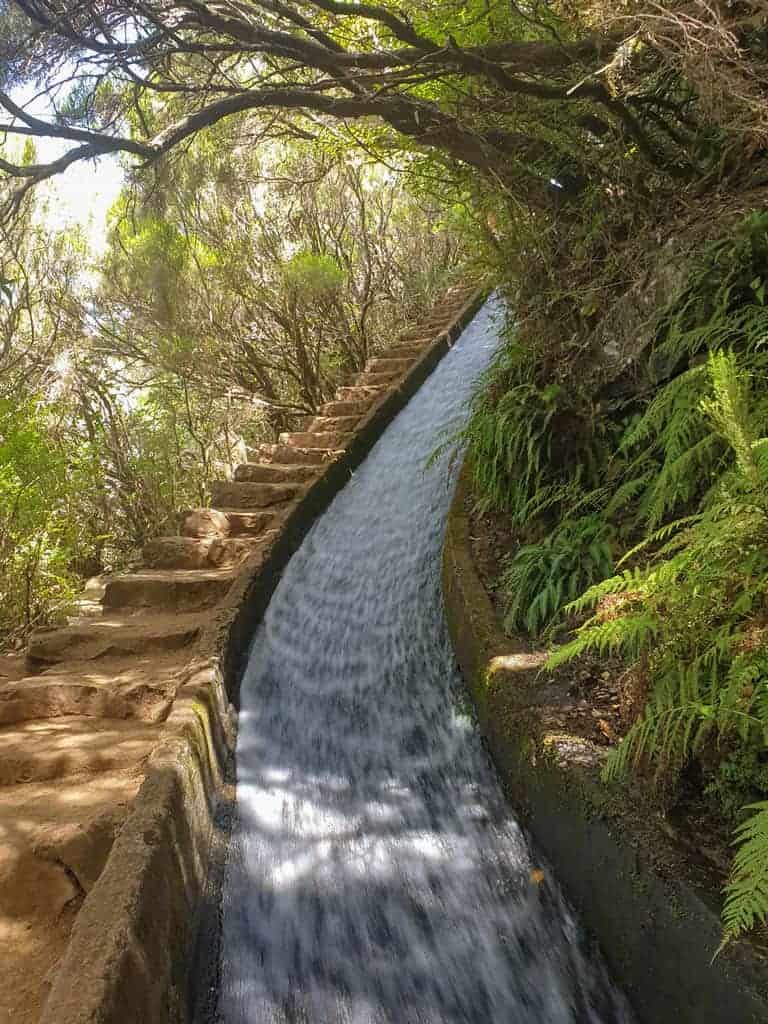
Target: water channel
377,875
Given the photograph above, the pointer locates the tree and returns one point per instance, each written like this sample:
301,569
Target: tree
521,92
266,276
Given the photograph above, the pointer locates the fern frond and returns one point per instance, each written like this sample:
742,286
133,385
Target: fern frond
746,893
629,490
680,479
663,533
675,407
628,634
539,578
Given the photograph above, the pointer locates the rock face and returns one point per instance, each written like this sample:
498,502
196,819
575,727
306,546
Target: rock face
627,331
116,690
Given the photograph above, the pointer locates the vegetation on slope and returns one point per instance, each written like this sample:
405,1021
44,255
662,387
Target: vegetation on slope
665,476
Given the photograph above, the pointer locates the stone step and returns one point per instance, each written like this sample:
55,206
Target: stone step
446,316
360,392
251,525
460,294
13,666
112,636
233,494
56,837
196,552
140,688
409,351
324,442
203,522
54,748
222,523
349,408
332,424
426,331
382,364
452,307
275,473
381,379
285,455
172,590
418,337
87,604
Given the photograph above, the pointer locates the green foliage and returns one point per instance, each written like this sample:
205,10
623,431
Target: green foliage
539,578
746,901
312,274
678,451
237,287
695,616
268,272
677,448
36,533
635,473
739,780
724,303
509,434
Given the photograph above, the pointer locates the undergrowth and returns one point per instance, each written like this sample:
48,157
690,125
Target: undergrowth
672,476
540,578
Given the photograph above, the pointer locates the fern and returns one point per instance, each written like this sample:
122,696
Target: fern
629,490
540,578
676,448
746,899
676,721
720,306
673,414
680,450
680,478
509,438
629,635
693,613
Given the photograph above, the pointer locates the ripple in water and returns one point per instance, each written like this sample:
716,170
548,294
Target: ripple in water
377,875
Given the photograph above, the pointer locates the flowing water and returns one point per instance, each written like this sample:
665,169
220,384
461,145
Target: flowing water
377,875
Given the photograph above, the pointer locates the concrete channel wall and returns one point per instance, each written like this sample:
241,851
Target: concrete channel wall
130,952
653,910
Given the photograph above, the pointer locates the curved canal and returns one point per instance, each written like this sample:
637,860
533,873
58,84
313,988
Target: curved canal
377,875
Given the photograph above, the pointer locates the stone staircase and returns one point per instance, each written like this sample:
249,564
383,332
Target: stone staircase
77,729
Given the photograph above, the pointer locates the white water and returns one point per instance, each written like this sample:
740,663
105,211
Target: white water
377,875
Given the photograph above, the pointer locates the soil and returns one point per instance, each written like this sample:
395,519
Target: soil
54,838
